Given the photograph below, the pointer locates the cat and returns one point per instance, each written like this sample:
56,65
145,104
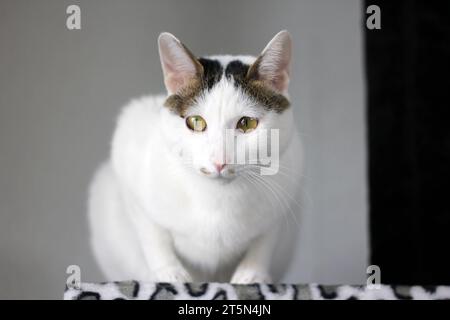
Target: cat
170,205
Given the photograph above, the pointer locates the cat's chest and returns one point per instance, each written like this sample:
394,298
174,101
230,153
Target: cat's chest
210,213
216,224
212,241
221,219
218,233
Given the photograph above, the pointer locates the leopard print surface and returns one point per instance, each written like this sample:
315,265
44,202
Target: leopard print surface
134,290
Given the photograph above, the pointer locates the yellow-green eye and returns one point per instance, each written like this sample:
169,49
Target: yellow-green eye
196,123
247,124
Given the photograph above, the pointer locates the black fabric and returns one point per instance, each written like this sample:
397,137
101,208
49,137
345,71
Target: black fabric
407,64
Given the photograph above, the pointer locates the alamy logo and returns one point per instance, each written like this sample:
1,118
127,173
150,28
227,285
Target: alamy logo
255,153
74,278
262,151
374,20
73,21
374,278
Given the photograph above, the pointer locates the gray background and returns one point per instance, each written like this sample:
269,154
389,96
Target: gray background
60,91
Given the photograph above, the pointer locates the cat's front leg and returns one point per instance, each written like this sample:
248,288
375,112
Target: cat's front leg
248,275
174,272
255,265
157,247
163,264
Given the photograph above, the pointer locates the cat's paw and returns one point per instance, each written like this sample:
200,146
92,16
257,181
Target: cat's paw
172,274
248,276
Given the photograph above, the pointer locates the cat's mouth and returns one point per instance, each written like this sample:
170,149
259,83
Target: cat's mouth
219,172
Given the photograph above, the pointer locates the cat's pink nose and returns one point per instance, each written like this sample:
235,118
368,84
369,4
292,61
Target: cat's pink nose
219,166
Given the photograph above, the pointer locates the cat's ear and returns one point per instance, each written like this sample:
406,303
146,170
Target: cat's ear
272,67
179,65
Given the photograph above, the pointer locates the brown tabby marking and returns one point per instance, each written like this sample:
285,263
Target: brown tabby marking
210,72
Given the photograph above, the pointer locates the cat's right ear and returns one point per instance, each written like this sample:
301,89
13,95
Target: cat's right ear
178,64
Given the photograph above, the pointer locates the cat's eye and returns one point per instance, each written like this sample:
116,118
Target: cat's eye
247,124
196,123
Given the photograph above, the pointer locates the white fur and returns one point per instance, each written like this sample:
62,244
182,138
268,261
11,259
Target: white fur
155,216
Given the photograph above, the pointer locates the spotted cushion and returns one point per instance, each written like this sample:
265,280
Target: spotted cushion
134,290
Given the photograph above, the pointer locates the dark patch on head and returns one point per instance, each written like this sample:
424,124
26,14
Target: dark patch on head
212,72
209,73
245,77
236,70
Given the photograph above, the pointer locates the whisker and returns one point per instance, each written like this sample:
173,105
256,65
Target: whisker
274,190
256,182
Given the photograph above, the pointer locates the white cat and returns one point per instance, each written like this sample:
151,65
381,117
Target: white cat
171,205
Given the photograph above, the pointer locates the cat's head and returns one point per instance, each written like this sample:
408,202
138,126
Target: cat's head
214,99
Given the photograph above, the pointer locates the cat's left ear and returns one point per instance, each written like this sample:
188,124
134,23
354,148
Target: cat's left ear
272,67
